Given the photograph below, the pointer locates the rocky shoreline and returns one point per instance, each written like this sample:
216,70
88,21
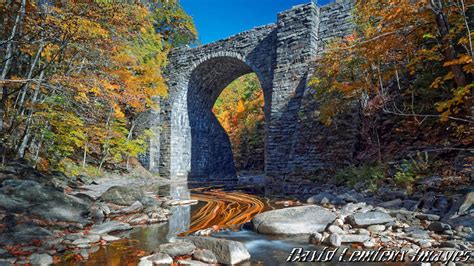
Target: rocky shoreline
44,216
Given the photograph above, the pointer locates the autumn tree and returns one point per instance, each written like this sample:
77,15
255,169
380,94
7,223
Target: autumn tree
239,109
76,76
422,49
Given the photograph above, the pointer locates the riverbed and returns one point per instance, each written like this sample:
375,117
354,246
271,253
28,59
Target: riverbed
226,210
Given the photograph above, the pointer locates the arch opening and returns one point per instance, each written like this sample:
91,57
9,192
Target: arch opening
211,155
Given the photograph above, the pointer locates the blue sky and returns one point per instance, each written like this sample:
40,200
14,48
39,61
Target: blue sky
218,19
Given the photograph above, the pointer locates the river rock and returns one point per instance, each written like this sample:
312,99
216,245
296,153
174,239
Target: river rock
41,259
324,198
369,218
31,197
438,227
189,262
135,207
376,228
109,238
335,229
335,240
350,208
156,259
108,227
294,220
226,251
205,255
24,233
316,238
354,238
124,196
396,203
426,216
467,203
178,248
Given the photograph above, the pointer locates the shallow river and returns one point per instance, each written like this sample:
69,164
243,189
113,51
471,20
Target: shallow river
214,208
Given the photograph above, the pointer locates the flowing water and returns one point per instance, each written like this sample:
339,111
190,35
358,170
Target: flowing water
225,210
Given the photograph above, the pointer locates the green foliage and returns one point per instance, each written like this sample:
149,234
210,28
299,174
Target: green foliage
412,169
371,175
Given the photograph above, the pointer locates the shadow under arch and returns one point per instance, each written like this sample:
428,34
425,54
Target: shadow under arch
211,152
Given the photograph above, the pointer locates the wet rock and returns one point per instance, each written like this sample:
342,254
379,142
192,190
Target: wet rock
124,196
109,238
369,218
429,217
41,259
293,221
226,251
108,227
191,262
175,202
178,248
156,259
84,254
376,228
205,255
438,227
354,238
324,198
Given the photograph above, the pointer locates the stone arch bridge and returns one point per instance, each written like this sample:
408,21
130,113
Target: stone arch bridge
190,143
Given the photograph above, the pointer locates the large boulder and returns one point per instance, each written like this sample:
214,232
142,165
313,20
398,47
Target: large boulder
178,248
51,204
226,251
369,218
119,195
293,221
24,233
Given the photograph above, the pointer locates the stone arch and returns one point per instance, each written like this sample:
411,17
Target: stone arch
200,147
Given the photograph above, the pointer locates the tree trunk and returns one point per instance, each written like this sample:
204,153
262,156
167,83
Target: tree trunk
129,137
27,135
8,61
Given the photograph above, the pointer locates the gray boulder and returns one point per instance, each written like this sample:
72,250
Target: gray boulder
119,195
293,221
369,218
205,255
27,196
177,248
226,251
108,227
156,259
